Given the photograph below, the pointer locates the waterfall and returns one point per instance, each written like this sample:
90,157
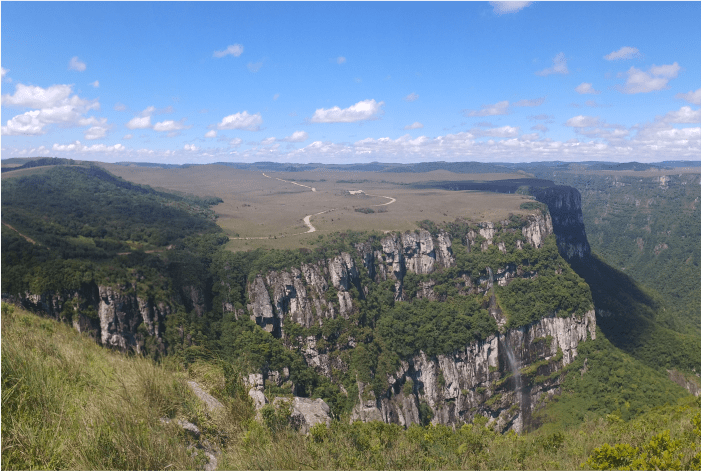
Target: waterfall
514,367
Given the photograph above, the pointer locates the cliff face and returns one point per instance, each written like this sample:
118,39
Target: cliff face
565,206
506,376
115,318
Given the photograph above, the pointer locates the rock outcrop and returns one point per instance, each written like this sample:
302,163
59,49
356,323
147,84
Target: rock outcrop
565,206
115,317
506,377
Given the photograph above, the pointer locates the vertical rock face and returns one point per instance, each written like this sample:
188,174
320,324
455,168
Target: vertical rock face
489,378
419,252
565,206
537,229
115,317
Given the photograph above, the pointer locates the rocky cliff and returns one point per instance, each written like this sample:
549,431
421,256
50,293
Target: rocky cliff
565,206
114,317
506,377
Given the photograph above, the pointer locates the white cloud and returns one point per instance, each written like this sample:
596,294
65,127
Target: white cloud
169,125
361,111
340,60
411,97
625,52
120,107
235,142
56,105
684,115
95,132
28,96
416,125
78,147
95,84
128,136
500,108
559,66
531,103
254,66
139,122
504,131
691,97
4,72
211,133
26,124
148,111
540,127
586,88
297,136
276,96
190,147
501,8
248,122
234,50
583,122
75,64
655,79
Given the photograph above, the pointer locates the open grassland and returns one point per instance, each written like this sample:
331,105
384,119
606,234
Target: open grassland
25,172
267,209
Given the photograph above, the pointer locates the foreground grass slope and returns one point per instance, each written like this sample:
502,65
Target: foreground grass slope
68,403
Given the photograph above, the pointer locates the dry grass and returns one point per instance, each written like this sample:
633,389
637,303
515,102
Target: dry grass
270,212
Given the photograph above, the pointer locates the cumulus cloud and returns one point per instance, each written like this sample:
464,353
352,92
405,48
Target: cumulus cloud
361,111
684,115
254,66
55,105
501,8
4,72
692,97
243,120
211,133
540,127
654,79
340,60
559,66
235,142
586,89
500,108
170,125
128,136
411,97
583,122
190,147
96,84
542,117
416,125
78,147
233,50
75,64
531,103
503,131
625,52
95,132
139,122
297,136
120,107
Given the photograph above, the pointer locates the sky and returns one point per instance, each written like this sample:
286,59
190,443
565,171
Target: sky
349,82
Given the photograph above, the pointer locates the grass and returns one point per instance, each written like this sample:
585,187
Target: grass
257,206
69,403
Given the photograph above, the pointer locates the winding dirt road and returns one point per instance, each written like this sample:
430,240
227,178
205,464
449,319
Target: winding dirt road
307,219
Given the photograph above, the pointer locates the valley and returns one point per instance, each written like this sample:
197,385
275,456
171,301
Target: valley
465,304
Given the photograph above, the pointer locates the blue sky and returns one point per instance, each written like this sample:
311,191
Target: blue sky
200,82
